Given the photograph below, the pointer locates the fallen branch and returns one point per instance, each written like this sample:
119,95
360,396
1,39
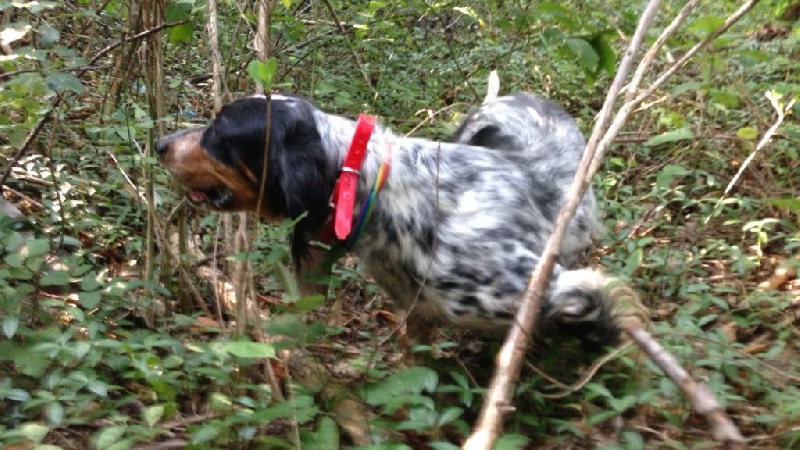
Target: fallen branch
497,401
722,428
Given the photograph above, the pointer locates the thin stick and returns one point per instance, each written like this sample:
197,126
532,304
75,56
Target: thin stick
702,399
781,110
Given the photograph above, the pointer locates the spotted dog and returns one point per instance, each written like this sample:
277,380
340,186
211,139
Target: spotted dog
455,229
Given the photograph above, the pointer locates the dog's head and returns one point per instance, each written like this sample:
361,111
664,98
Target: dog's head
221,166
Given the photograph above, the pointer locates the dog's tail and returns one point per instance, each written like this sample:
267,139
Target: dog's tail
492,87
592,305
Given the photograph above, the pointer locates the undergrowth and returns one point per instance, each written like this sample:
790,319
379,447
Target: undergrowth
108,346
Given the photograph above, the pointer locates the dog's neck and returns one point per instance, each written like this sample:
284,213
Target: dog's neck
337,135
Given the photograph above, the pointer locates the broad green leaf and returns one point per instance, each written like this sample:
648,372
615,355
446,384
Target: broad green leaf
55,278
18,395
690,86
326,436
244,349
97,387
287,3
413,380
511,442
604,50
725,97
89,300
583,50
705,25
792,203
681,134
309,302
176,12
32,431
263,73
602,416
669,173
301,409
48,36
205,433
443,446
633,439
748,133
64,82
10,325
180,34
152,414
36,247
54,413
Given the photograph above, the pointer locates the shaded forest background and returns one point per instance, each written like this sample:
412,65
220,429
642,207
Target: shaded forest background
131,321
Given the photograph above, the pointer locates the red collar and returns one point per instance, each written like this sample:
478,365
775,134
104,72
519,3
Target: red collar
344,193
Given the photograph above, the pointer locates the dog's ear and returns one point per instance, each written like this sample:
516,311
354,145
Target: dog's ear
304,174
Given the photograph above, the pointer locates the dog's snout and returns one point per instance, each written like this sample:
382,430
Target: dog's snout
161,146
177,139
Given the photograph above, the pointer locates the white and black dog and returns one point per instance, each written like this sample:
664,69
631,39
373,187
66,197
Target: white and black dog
457,227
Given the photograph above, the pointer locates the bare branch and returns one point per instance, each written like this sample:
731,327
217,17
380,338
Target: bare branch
497,401
702,399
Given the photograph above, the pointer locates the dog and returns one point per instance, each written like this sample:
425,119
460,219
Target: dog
456,228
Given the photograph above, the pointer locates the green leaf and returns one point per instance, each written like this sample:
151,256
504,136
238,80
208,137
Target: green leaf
55,413
690,86
309,302
443,446
180,34
205,433
326,436
748,133
89,300
244,349
669,173
792,203
109,436
413,380
681,134
10,325
55,278
18,395
98,387
263,73
705,25
152,414
36,247
511,442
63,82
583,50
604,50
287,3
32,431
176,12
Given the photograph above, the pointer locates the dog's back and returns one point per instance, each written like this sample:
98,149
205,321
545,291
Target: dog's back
542,137
524,122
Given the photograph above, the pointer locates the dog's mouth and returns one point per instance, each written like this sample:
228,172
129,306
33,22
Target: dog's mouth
217,197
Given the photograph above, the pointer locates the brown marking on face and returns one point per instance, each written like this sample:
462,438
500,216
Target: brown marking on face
207,180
